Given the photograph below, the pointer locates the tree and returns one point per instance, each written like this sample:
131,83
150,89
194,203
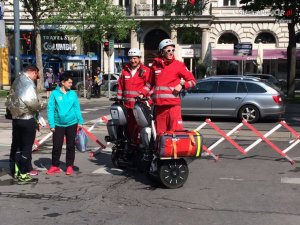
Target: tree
183,13
283,10
38,10
94,19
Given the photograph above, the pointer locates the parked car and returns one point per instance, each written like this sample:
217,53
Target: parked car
113,82
233,96
269,78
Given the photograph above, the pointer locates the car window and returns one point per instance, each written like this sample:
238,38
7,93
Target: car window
227,87
254,88
241,88
204,87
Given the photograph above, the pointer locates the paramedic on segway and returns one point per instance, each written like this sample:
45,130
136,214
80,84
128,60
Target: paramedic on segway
168,77
133,79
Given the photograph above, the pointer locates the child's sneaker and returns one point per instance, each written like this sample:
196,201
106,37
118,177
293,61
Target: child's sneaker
53,170
26,179
69,170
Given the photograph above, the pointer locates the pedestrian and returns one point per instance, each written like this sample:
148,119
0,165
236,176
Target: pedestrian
49,79
168,77
134,77
24,104
99,75
59,74
64,118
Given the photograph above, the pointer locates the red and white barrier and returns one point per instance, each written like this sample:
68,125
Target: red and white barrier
102,119
271,144
297,136
262,137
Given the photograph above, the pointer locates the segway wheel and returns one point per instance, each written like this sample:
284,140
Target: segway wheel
173,173
115,159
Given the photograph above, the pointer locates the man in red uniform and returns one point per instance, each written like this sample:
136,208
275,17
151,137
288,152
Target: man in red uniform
168,77
133,79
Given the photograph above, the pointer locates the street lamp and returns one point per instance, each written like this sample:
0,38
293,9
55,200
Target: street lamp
139,32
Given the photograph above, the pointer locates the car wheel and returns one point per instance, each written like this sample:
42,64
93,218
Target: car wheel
249,113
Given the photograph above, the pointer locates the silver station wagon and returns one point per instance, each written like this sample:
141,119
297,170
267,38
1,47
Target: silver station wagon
241,97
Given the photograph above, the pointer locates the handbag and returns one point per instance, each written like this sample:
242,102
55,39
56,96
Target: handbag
81,141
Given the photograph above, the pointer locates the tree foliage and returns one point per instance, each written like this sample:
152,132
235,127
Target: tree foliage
93,18
183,12
38,10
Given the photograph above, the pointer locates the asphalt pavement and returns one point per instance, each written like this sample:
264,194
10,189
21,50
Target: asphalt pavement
258,188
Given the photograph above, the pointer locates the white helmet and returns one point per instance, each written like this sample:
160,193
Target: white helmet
165,43
134,52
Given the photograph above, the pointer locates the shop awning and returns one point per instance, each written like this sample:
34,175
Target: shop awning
227,54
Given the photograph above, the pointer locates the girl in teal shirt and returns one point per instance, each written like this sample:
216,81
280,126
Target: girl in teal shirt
64,117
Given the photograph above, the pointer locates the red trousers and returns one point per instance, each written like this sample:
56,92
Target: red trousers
168,118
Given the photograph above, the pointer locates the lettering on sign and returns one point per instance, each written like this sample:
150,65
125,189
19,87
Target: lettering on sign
59,46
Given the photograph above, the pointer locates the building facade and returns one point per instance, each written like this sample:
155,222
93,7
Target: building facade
210,39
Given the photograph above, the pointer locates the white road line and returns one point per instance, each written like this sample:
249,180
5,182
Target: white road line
106,170
290,180
93,109
231,178
84,112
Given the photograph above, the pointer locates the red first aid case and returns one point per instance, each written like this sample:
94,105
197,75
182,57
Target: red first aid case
176,144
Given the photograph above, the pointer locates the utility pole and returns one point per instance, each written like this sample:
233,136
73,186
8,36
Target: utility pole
17,37
110,52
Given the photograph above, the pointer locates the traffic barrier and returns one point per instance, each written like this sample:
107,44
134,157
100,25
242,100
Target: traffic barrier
262,137
38,143
271,144
224,136
297,136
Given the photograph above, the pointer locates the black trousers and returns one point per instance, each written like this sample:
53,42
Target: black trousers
23,135
58,140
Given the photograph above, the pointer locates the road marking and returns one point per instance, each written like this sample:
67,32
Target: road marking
106,170
94,109
84,112
290,180
230,178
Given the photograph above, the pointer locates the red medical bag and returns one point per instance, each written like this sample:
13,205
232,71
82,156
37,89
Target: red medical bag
176,144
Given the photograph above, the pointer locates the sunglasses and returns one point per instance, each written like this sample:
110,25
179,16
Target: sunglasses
170,50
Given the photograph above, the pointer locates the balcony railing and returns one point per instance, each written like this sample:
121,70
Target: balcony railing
147,10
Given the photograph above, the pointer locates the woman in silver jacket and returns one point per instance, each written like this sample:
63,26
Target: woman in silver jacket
24,105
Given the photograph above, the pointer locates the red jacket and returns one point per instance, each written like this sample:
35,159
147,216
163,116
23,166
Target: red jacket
130,87
164,78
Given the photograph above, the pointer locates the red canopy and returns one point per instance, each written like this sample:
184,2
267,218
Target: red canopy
227,54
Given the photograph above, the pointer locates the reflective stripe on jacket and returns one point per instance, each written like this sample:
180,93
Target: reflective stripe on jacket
130,87
164,78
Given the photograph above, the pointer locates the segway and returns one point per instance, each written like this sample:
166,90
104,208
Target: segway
169,149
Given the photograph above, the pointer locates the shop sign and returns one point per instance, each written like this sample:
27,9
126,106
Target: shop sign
242,49
190,53
59,43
